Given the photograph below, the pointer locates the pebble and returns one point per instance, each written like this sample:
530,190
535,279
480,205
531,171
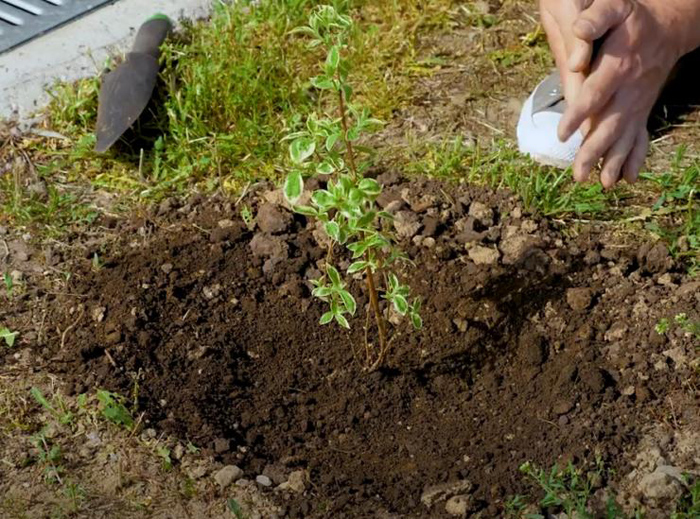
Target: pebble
563,406
228,475
406,224
483,255
481,212
272,219
167,267
437,492
222,445
458,505
296,482
579,299
263,481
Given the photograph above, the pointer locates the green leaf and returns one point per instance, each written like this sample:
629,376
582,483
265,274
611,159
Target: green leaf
333,58
331,140
301,149
342,321
347,91
8,336
370,187
306,210
326,318
366,219
334,275
322,83
356,196
293,187
323,199
333,230
235,508
40,398
325,168
393,282
353,133
417,321
321,292
357,267
400,304
348,301
416,305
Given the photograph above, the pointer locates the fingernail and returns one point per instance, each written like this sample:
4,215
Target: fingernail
584,28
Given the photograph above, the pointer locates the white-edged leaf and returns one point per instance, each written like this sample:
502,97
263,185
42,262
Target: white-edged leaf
342,321
305,210
334,275
321,292
293,187
333,230
301,149
348,301
331,140
333,58
370,187
417,321
357,267
322,83
323,199
325,168
400,304
326,318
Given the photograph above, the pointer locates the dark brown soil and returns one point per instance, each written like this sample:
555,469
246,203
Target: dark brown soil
512,365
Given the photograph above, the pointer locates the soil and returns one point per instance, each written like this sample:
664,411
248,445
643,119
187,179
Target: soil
538,345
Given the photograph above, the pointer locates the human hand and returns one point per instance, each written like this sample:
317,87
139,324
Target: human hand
639,52
571,54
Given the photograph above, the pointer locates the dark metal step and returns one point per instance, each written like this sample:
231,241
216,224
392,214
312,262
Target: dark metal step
23,20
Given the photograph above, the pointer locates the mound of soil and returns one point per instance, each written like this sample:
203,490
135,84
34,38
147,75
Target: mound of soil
538,345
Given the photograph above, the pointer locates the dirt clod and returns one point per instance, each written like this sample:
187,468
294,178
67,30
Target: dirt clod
579,299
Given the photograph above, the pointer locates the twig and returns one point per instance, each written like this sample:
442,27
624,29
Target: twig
110,359
70,327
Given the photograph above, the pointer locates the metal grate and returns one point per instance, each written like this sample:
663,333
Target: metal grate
22,20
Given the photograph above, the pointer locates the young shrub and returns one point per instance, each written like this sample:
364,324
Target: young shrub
347,206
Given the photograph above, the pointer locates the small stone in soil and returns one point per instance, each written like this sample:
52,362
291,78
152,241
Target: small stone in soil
167,268
458,505
579,299
406,224
273,219
228,475
482,213
483,255
222,445
263,481
563,407
296,482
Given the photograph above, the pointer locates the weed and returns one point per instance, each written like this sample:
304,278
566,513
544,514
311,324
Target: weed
164,454
325,146
688,507
544,189
9,284
113,409
681,320
8,336
235,508
75,494
57,408
49,456
248,218
96,262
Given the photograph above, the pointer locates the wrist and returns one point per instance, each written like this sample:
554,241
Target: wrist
683,23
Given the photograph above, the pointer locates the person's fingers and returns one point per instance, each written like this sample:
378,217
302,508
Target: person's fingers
580,55
571,81
635,161
596,144
600,17
616,157
596,92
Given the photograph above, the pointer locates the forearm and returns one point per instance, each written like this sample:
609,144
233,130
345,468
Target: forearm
683,18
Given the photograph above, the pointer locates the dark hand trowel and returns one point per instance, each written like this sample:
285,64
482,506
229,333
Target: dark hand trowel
127,89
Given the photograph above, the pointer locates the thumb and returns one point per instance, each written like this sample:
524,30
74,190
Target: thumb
600,17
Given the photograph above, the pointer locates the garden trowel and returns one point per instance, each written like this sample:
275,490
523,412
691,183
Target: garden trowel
127,89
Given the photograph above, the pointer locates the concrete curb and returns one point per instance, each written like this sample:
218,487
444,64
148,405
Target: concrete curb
78,49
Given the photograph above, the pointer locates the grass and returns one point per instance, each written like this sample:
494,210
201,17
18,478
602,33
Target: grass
571,490
543,189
